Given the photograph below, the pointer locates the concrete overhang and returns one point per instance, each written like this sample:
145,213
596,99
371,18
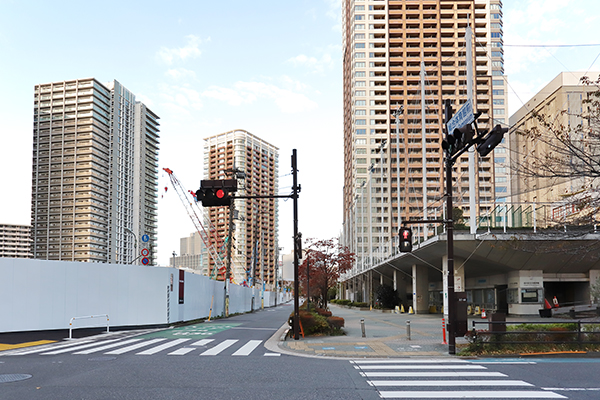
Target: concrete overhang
495,253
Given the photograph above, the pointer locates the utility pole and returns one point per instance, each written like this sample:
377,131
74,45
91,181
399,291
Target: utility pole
295,190
228,268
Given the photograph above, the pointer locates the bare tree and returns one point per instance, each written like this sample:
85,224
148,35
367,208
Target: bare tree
565,153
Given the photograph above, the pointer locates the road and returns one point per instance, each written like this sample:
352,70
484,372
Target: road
227,359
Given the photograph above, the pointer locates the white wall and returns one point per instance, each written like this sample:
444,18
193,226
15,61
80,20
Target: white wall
43,295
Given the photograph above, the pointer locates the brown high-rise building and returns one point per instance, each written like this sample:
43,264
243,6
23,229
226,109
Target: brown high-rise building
255,164
394,172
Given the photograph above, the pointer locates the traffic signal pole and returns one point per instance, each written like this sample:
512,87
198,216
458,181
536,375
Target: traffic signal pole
295,191
451,326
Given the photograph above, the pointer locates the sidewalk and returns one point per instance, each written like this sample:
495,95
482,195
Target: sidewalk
385,335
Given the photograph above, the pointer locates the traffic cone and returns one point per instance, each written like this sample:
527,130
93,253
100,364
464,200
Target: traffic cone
483,314
547,304
555,301
410,310
402,309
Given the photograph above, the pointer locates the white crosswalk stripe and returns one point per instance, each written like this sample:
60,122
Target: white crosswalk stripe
152,346
418,379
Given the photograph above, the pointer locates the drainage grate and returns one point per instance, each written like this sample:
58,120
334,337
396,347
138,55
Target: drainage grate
5,378
103,358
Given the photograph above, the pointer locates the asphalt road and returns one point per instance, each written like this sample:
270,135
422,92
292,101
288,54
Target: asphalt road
227,359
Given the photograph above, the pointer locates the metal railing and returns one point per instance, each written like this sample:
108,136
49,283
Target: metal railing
576,332
87,317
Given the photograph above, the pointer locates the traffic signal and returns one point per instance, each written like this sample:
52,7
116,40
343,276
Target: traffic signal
216,193
405,240
492,140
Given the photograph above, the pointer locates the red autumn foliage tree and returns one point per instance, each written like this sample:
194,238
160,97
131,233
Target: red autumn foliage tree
325,260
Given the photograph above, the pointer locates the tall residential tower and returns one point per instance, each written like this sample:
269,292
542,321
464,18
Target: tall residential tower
94,183
402,59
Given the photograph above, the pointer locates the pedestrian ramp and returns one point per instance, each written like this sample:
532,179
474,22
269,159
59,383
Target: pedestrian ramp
149,347
413,378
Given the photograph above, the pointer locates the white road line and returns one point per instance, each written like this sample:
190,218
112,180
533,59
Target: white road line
22,352
411,361
108,346
219,348
572,389
504,362
161,347
487,394
429,374
85,346
366,367
136,346
272,354
441,383
202,342
247,348
182,351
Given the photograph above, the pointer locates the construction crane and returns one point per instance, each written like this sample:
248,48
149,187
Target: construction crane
209,236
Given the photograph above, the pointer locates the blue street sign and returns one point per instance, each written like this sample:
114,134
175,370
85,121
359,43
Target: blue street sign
463,117
145,238
145,261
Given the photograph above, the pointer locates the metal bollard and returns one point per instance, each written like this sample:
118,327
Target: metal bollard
408,329
362,327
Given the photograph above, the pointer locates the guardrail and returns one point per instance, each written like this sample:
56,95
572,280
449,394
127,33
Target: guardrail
575,332
86,317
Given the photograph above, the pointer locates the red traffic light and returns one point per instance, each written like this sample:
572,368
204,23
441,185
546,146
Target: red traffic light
220,193
405,234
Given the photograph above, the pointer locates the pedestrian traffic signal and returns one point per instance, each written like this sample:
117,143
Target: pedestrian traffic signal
492,140
216,193
405,240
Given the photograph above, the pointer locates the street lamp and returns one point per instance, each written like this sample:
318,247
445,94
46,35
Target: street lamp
134,243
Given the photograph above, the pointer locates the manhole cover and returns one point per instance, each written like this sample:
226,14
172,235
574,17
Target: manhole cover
102,358
5,378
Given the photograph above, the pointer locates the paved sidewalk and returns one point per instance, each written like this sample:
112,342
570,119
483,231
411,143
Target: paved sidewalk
385,335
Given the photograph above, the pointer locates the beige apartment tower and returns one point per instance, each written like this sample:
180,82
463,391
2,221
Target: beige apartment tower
402,59
94,182
240,155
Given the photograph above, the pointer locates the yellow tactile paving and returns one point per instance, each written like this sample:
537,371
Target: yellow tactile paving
4,346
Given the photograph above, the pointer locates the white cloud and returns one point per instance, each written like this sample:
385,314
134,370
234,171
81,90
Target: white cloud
315,65
180,99
286,100
190,50
180,73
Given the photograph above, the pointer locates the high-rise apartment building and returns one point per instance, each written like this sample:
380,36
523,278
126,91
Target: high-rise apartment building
95,177
190,253
15,241
255,163
402,59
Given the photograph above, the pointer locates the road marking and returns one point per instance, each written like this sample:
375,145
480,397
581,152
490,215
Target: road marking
4,346
573,389
484,394
272,355
219,348
182,351
450,383
85,346
108,346
136,346
58,346
247,348
428,374
365,367
161,347
202,342
410,361
257,329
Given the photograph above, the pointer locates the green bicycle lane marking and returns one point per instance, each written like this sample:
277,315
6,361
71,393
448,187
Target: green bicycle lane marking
191,331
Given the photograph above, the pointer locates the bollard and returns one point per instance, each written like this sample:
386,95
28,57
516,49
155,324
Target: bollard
362,327
408,329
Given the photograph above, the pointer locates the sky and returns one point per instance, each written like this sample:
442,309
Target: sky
270,67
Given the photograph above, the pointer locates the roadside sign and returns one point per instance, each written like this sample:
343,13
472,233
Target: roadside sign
463,117
145,238
145,252
145,261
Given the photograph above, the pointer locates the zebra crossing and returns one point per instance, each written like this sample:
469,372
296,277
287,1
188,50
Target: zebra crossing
444,379
147,347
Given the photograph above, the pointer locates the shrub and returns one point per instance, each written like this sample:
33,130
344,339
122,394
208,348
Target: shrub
359,304
386,296
344,302
323,312
335,322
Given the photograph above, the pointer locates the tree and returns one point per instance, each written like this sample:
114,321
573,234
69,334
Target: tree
561,150
325,260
